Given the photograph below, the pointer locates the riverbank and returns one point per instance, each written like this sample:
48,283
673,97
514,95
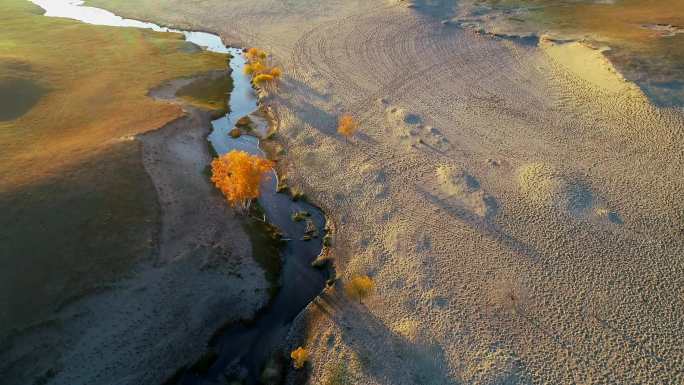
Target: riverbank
121,259
166,312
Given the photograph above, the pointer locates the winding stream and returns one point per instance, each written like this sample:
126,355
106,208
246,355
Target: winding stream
242,349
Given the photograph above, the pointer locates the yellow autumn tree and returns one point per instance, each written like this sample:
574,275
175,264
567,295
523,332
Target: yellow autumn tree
255,54
360,287
263,79
255,68
299,357
347,126
238,175
262,73
276,72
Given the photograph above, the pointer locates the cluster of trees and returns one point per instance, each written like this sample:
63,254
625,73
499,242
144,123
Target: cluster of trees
259,67
238,176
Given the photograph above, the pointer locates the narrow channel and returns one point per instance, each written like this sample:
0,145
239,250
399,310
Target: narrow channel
241,349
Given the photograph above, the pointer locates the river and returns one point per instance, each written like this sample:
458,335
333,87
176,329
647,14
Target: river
242,349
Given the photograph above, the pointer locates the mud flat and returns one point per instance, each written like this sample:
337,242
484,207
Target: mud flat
522,224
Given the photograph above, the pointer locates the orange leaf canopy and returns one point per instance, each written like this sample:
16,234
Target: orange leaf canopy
238,175
299,357
347,125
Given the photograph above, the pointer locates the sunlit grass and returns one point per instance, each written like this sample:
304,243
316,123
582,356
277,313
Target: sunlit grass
99,77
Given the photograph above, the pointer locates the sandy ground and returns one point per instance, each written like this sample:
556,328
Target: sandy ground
523,223
140,330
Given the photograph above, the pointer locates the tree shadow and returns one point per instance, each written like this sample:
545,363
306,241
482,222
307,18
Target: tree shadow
634,343
483,225
382,353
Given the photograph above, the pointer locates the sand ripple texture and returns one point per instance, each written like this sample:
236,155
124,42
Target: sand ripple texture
523,222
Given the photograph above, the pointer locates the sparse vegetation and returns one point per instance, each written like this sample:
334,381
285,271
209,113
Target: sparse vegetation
271,135
338,376
282,186
360,287
511,296
298,195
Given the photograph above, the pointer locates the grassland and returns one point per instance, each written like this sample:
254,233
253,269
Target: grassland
77,207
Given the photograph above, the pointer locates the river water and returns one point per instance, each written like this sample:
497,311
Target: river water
242,349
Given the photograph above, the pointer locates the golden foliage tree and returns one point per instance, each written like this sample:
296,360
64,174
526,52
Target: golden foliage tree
238,175
263,78
347,126
262,73
253,68
360,287
276,72
299,357
256,54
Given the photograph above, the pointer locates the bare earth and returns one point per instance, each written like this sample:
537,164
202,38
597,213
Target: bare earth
521,213
140,330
